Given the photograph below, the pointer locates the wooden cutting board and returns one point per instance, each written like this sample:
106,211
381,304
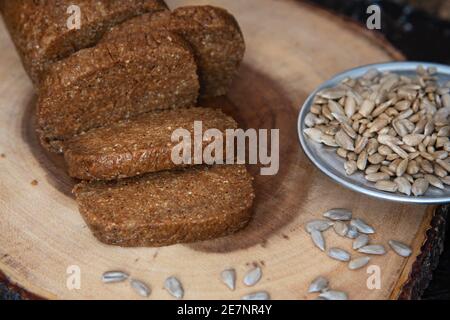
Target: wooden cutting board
292,48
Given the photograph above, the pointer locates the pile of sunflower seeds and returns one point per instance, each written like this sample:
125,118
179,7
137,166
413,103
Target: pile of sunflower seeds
345,225
393,128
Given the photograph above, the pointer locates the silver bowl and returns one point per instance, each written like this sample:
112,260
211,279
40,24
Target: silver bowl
328,162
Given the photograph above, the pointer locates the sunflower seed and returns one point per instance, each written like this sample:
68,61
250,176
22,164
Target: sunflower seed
335,108
339,254
444,164
446,180
350,106
358,263
140,288
314,134
311,120
378,176
334,295
318,225
372,169
386,185
229,278
338,214
404,186
174,287
367,107
114,276
376,158
362,226
400,248
373,249
344,140
352,233
253,276
361,163
350,167
262,295
318,285
340,228
361,241
420,186
332,93
402,167
329,140
318,239
434,181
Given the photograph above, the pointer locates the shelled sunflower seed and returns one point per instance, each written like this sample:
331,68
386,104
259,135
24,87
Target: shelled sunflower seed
338,214
373,249
362,226
340,228
318,239
333,295
400,248
114,277
361,241
229,278
174,287
262,295
339,254
395,129
319,284
140,287
253,276
318,225
358,263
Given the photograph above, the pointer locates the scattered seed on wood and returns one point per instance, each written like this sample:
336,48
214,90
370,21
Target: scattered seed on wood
361,241
318,225
229,278
373,249
174,287
341,228
334,295
140,288
253,276
362,226
352,232
263,295
318,239
114,276
400,248
338,214
339,254
318,285
358,263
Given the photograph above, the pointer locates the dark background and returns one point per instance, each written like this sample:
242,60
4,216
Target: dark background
421,30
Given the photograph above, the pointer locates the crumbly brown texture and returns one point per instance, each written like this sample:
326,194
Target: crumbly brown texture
40,32
213,33
139,146
160,209
113,81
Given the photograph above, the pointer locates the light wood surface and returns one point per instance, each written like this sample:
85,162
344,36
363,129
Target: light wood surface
291,48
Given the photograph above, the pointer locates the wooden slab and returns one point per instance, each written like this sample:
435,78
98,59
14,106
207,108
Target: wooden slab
292,48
